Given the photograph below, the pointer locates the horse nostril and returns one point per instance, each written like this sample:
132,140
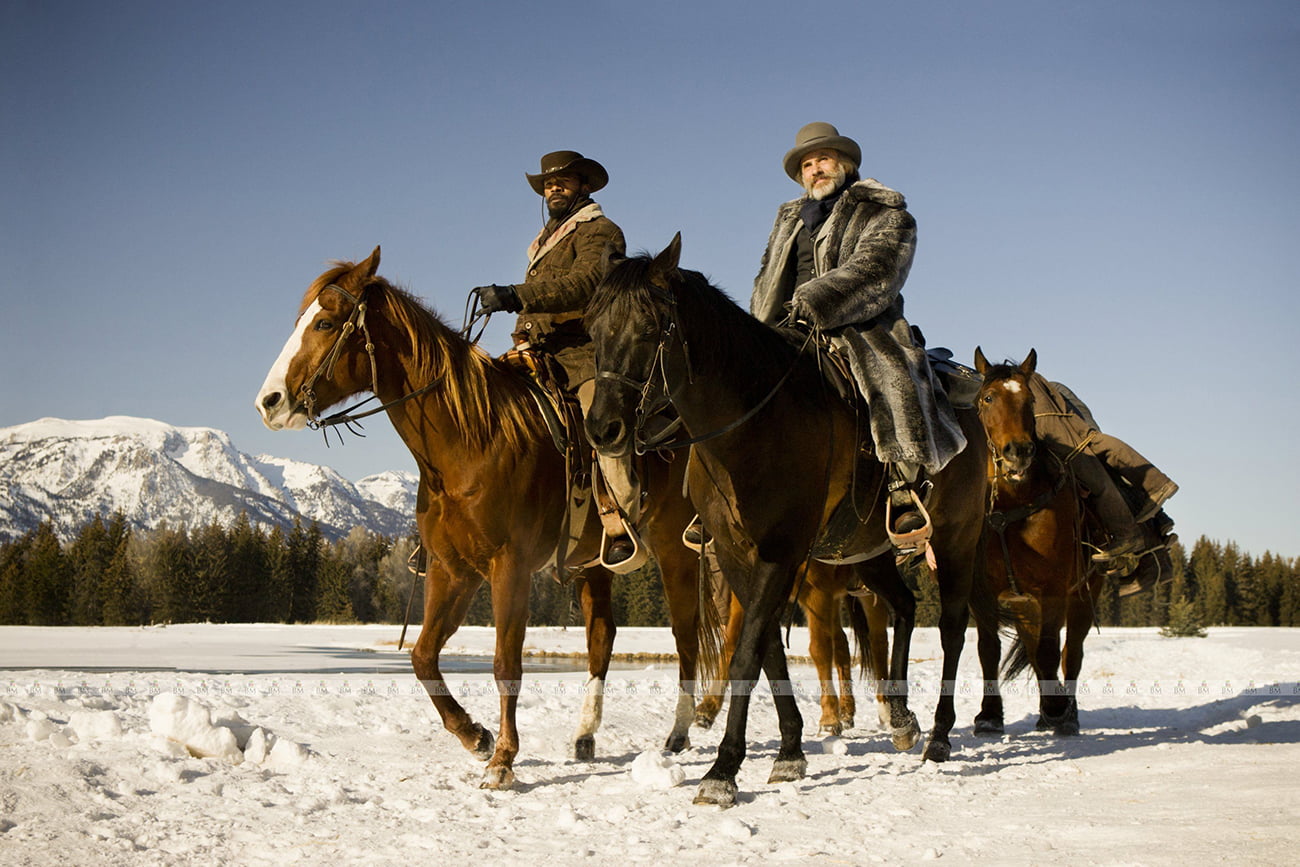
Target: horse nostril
271,400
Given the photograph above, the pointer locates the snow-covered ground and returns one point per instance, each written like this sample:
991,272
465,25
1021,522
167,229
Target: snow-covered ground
326,750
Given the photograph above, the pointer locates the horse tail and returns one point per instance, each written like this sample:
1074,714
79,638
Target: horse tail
709,624
861,636
1016,660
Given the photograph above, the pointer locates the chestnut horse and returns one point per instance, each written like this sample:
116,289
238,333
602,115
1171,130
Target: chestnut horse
776,454
1034,555
492,496
822,597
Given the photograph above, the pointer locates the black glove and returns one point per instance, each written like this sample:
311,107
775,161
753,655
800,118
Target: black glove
799,313
494,299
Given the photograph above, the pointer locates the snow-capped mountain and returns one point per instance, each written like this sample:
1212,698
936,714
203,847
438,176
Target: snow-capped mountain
69,471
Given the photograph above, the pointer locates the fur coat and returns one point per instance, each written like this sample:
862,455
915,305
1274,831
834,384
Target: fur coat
862,255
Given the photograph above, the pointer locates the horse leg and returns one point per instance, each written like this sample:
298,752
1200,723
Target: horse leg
446,601
1053,701
990,720
711,704
820,609
881,575
1078,620
843,661
877,616
677,567
598,614
953,617
767,590
510,607
790,764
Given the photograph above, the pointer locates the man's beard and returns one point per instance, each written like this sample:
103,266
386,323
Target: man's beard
826,185
559,206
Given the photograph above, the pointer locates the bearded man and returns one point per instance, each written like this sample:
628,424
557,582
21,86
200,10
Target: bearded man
565,262
836,260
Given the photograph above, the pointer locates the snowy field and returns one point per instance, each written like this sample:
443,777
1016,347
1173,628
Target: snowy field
325,750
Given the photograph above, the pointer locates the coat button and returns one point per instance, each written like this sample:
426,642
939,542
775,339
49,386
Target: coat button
528,325
532,273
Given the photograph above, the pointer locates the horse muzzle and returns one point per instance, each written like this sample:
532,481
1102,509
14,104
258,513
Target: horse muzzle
278,412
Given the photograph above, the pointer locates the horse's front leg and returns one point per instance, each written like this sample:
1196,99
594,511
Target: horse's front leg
954,590
598,614
1078,620
446,600
510,594
767,588
1053,697
990,721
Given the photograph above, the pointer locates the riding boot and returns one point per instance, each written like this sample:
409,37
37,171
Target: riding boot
906,520
1113,510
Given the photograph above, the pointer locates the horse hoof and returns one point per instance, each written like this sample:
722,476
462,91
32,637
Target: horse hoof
704,720
677,743
1044,724
1067,729
584,748
499,777
716,793
834,728
788,770
846,723
989,727
485,746
906,736
937,751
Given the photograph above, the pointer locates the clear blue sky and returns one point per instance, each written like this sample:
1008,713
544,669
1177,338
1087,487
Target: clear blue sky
1114,183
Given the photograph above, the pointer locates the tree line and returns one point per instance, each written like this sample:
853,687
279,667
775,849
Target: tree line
113,575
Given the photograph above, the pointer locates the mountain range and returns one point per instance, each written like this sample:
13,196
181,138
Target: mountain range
67,472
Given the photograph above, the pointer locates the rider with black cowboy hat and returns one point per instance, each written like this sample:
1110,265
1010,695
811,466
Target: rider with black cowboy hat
565,262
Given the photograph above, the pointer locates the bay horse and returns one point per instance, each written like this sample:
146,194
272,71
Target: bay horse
822,596
492,497
1034,554
776,455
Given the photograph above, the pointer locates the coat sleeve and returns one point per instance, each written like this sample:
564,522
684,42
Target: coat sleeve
867,281
573,289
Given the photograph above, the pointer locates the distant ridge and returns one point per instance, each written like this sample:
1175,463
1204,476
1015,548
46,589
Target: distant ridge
67,472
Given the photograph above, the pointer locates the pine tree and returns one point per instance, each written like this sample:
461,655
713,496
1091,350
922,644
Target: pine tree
12,557
333,600
1184,622
248,571
48,580
122,605
88,557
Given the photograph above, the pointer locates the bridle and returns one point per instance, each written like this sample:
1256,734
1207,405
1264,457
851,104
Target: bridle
349,417
646,407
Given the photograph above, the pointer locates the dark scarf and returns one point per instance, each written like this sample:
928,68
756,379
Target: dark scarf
815,211
556,222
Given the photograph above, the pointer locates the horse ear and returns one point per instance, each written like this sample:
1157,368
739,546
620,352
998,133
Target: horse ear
610,257
371,265
1030,363
981,363
671,255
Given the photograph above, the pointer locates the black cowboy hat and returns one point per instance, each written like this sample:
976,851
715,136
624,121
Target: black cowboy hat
591,172
815,136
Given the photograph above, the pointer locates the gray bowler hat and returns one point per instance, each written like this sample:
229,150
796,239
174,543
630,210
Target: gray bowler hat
815,136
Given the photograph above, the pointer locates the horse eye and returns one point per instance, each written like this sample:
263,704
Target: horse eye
324,325
988,398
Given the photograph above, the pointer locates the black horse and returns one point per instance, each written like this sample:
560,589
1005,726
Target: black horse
778,476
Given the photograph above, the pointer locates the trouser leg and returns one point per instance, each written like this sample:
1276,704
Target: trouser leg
1109,505
1153,486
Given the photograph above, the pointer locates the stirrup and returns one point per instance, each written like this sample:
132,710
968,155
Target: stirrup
697,540
640,554
916,540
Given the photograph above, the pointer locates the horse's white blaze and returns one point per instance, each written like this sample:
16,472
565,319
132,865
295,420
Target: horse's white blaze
593,706
284,414
1011,385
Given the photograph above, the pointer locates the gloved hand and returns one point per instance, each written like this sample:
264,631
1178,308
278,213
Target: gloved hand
799,312
494,299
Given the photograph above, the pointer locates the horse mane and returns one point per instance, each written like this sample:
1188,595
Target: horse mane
489,400
720,335
1001,370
